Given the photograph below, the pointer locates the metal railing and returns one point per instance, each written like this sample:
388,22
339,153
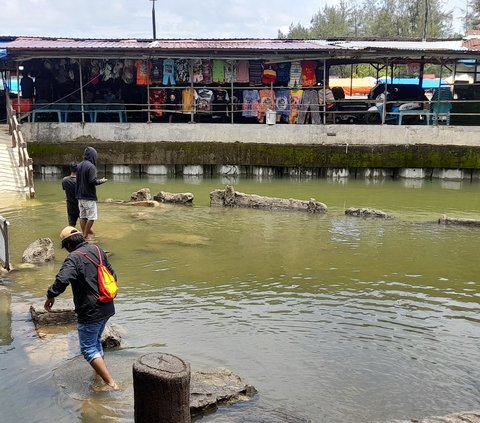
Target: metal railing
4,252
25,162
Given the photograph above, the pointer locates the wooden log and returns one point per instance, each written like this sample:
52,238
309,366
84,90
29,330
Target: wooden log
161,389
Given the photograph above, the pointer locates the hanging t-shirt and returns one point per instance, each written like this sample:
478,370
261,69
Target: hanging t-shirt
308,73
156,75
207,71
220,101
282,102
269,74
143,72
189,97
295,101
251,100
283,74
218,71
256,71
168,72
295,75
267,102
157,100
204,100
197,71
243,71
182,71
230,71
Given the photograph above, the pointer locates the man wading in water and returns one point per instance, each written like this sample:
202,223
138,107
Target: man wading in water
92,314
87,191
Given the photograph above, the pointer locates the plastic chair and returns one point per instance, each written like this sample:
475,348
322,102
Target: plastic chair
441,106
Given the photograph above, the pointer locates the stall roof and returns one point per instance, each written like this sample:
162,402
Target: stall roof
23,48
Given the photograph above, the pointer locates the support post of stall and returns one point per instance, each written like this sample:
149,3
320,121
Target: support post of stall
161,386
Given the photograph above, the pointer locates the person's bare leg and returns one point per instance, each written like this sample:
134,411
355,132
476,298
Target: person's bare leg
83,223
87,232
100,368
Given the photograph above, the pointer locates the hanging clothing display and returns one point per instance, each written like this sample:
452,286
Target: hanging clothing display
143,72
267,102
295,100
309,104
256,72
207,71
156,75
220,102
283,74
157,99
282,102
295,75
218,71
204,100
127,74
251,101
189,98
308,73
197,71
269,74
168,72
243,71
230,71
182,71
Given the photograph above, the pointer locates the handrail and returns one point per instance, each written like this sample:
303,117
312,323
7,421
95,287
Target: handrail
4,251
14,129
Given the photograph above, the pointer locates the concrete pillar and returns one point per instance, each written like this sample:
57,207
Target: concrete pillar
412,173
161,389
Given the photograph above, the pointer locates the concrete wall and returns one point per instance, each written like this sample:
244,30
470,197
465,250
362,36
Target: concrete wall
337,151
365,135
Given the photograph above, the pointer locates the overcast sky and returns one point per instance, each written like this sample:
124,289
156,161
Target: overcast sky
174,18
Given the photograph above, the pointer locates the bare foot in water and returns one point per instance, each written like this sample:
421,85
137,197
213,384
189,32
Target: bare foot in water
105,387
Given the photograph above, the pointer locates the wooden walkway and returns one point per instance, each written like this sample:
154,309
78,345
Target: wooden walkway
12,179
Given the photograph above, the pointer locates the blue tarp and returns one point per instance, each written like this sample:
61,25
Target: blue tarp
3,52
428,84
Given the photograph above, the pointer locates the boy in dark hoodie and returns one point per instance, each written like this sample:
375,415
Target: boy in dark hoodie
86,191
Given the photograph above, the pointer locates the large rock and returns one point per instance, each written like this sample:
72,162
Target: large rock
231,198
65,315
39,251
213,387
141,195
178,198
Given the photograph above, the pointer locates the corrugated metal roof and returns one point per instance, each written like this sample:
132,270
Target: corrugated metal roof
451,45
236,44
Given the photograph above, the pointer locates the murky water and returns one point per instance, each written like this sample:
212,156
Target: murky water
331,318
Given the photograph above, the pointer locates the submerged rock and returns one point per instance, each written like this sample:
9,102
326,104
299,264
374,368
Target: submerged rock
176,198
231,198
39,251
365,212
213,387
463,417
444,220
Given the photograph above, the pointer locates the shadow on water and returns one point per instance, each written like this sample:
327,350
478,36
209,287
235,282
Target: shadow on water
331,318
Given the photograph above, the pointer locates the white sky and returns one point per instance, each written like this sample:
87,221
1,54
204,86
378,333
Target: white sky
174,18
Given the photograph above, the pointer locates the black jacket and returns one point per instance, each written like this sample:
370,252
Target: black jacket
81,273
87,176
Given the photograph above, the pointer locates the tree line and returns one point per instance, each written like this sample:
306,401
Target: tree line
394,19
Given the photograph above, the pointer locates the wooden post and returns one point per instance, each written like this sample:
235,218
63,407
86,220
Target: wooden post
161,386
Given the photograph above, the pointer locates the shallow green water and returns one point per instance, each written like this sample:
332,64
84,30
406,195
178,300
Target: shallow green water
331,318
